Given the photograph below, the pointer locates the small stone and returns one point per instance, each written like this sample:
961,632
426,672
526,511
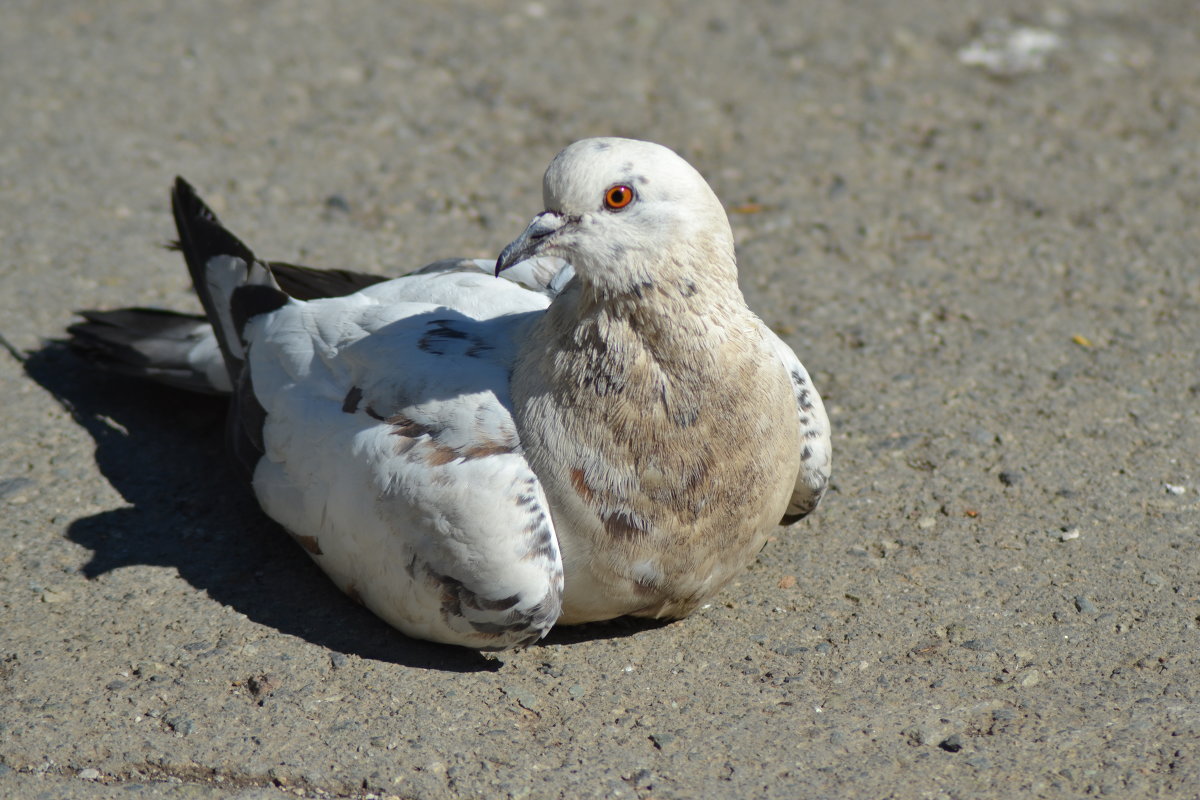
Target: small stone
52,595
983,436
339,660
1031,678
113,686
1174,489
823,648
787,581
790,649
952,743
661,740
89,774
925,523
261,684
336,202
1083,605
643,778
181,725
1153,579
1010,478
11,486
979,644
1004,714
522,697
1068,533
575,690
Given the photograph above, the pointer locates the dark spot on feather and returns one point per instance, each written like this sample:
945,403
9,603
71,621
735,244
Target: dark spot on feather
647,586
309,543
542,544
486,449
353,397
685,417
458,601
250,300
806,453
441,332
602,384
403,426
352,593
798,378
804,400
812,433
372,413
439,455
625,525
581,487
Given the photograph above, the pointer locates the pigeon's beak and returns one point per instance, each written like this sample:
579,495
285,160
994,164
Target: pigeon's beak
530,243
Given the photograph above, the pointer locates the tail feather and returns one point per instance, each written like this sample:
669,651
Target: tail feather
176,349
234,287
208,354
232,283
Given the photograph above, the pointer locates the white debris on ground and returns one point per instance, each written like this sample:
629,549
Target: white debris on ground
1006,51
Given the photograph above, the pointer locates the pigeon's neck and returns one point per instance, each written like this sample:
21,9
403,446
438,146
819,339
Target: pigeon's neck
667,320
666,342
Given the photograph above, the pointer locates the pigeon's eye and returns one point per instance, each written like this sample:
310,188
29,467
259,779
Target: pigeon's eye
617,197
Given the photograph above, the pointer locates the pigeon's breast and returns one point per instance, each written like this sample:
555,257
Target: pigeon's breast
664,473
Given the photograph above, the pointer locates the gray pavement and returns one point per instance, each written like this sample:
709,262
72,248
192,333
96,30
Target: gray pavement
977,224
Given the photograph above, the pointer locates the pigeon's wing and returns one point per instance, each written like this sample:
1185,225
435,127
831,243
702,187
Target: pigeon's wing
816,454
391,454
310,283
546,275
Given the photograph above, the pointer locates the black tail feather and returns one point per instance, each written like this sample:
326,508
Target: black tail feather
145,343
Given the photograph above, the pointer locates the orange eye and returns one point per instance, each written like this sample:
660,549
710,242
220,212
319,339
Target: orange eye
617,197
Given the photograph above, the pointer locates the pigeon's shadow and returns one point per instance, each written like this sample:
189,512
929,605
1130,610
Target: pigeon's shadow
164,451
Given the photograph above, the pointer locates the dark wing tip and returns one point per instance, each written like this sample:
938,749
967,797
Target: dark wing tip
201,235
309,283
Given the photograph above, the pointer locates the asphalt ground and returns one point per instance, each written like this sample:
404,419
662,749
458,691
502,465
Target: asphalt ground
974,221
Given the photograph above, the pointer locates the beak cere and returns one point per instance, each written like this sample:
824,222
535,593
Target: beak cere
529,243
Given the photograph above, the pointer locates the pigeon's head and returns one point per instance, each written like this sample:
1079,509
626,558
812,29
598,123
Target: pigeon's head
628,214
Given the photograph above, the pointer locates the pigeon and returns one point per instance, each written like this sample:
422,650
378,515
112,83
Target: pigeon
595,425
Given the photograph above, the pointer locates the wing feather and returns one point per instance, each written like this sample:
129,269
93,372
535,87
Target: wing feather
816,453
392,454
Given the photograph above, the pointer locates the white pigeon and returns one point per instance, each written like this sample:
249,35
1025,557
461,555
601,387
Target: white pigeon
611,431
